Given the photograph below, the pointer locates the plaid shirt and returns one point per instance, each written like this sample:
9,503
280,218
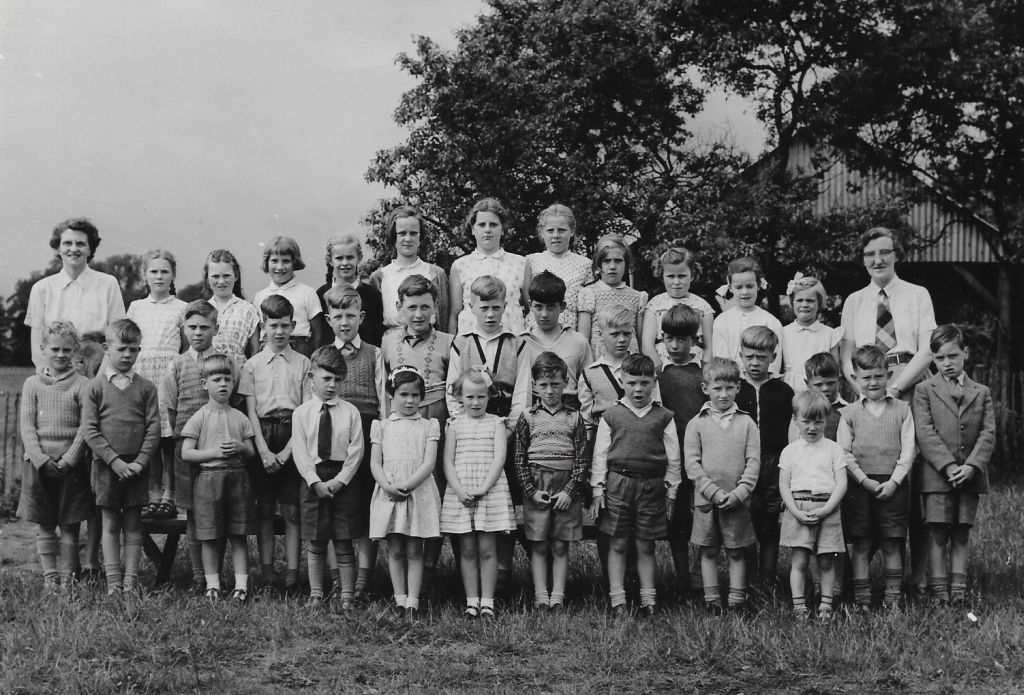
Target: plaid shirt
552,436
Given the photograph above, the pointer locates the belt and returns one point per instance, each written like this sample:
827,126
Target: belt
898,358
633,474
281,416
811,498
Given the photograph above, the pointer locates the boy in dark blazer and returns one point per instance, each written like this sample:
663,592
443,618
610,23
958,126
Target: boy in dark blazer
955,422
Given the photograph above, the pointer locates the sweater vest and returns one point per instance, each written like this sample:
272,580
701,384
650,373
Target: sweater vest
876,440
191,394
681,393
606,389
429,356
359,387
638,443
771,408
551,438
503,373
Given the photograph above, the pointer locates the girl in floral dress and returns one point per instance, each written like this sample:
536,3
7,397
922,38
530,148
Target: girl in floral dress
238,321
556,226
612,260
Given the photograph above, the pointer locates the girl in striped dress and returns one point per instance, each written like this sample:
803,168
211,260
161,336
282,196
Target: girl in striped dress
160,316
477,504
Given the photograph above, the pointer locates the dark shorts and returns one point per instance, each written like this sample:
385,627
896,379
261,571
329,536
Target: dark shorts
866,517
331,518
113,493
222,504
363,481
766,525
952,508
634,508
52,502
730,529
548,524
681,524
281,487
766,499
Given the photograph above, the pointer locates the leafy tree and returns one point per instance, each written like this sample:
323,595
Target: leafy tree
574,101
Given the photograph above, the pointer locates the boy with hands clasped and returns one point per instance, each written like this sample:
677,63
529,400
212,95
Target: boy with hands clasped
722,450
635,476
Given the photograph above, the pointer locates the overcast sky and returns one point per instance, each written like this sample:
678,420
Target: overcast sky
192,124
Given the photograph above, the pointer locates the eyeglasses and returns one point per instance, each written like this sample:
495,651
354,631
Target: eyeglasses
881,253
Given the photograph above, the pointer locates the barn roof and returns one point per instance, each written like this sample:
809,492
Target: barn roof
950,233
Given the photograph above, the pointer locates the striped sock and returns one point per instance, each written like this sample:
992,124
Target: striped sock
648,597
557,599
712,594
825,607
862,591
938,587
541,597
958,587
737,596
114,577
799,605
316,559
892,578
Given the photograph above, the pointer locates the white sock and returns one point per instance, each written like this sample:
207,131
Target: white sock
213,581
472,602
487,603
413,603
400,600
242,582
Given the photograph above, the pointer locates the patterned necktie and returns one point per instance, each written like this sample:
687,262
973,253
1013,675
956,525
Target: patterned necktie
347,350
885,331
324,434
956,391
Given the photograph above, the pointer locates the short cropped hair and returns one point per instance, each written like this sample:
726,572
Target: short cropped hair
674,256
329,358
759,338
721,369
612,316
414,286
811,405
399,213
681,321
556,210
282,246
124,331
343,298
945,334
746,264
868,357
638,365
878,233
217,363
547,288
405,375
277,307
487,288
62,329
548,365
202,308
821,365
78,224
492,205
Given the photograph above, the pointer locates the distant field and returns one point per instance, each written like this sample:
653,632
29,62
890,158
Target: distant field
11,378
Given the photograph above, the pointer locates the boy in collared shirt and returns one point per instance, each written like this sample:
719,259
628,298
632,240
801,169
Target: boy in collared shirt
327,446
272,383
877,433
635,476
600,384
550,462
722,452
547,302
363,387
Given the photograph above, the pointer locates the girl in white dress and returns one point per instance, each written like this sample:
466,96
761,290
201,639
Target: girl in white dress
807,335
485,224
477,504
160,316
405,507
678,270
556,226
745,279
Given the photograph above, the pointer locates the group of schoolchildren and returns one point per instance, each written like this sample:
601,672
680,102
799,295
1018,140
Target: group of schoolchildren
652,420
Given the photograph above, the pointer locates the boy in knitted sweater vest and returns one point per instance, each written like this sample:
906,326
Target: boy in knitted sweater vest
877,434
363,387
635,477
722,450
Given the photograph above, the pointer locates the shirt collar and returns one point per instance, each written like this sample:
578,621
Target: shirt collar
416,265
398,416
153,300
541,340
603,359
641,411
355,342
815,327
342,283
489,338
233,299
197,355
959,380
285,354
693,360
286,286
411,337
85,278
109,373
333,402
497,255
540,406
863,400
889,289
706,408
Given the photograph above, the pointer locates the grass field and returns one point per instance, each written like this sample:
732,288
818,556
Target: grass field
171,642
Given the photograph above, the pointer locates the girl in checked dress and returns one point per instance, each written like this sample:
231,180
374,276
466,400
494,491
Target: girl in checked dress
477,504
